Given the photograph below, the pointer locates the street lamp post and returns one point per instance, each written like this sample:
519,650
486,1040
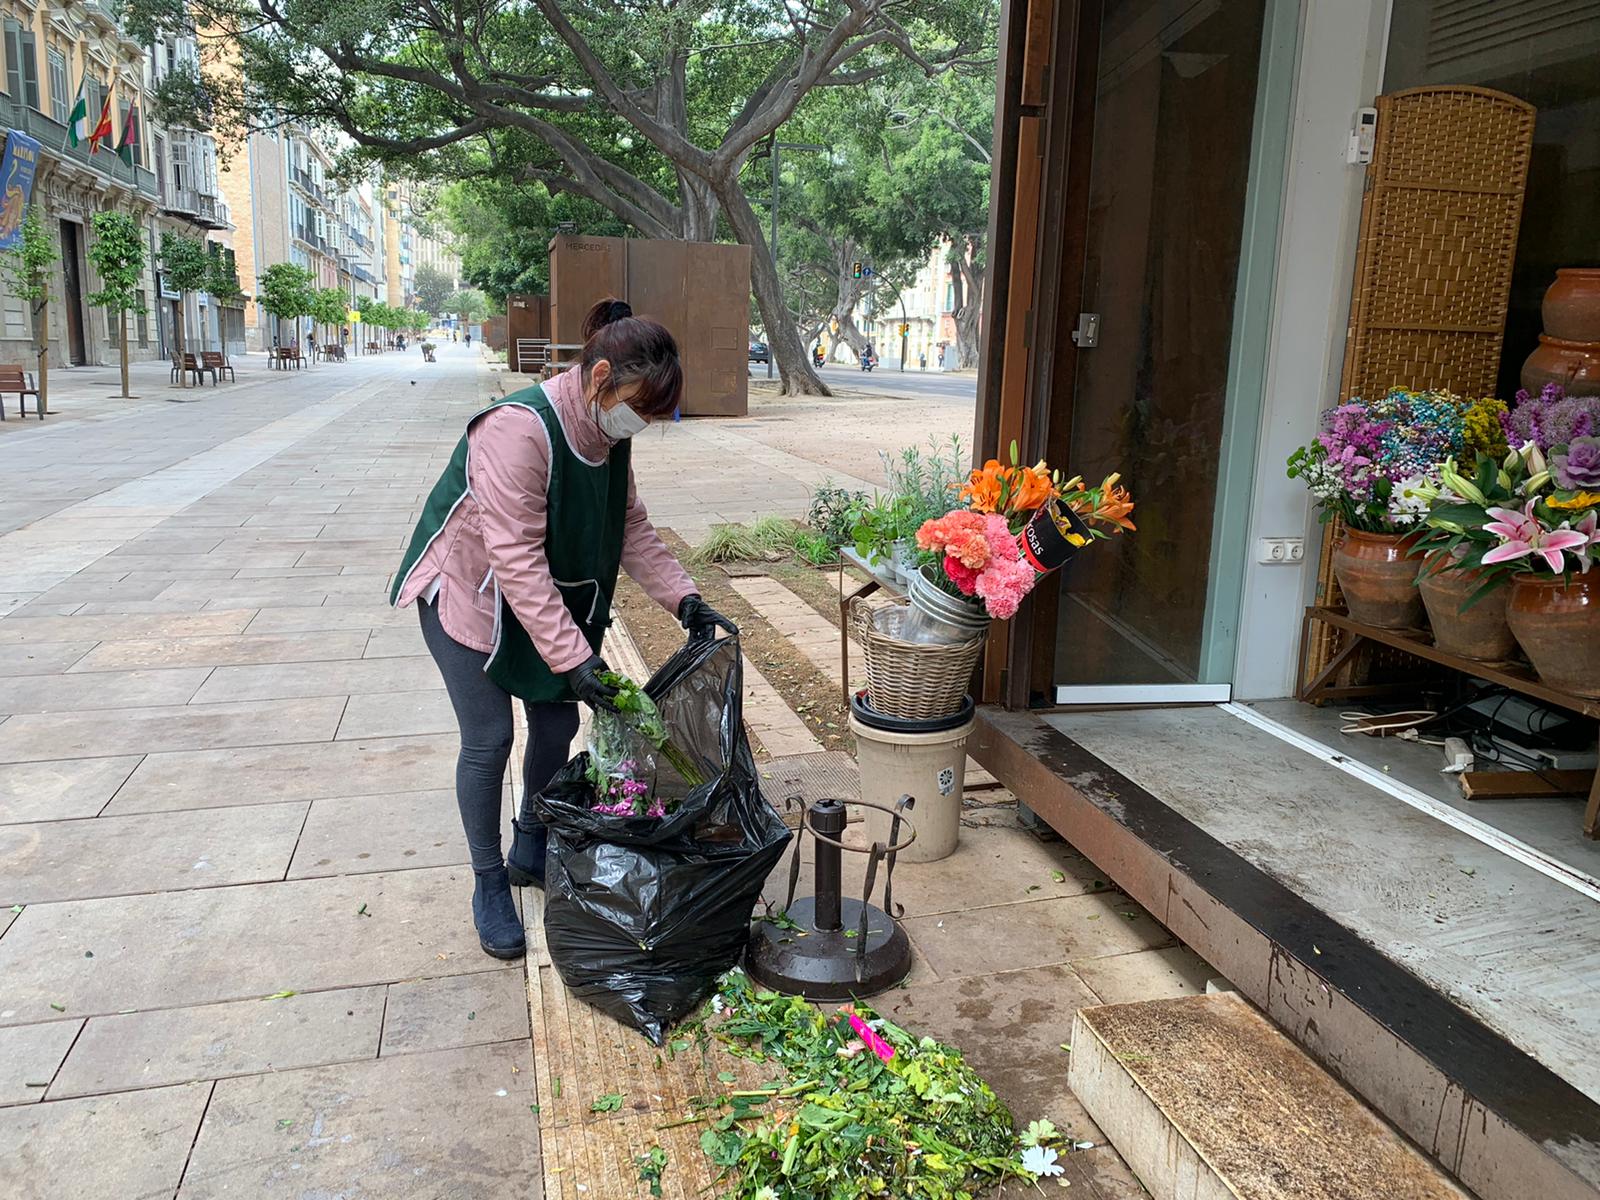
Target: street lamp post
773,239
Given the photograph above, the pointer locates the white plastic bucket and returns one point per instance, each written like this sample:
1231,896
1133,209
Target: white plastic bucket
929,767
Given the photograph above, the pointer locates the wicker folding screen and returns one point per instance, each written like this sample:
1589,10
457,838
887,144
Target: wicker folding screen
1439,221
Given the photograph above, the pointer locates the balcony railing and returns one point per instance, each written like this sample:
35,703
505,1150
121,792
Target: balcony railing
203,208
303,180
311,238
52,136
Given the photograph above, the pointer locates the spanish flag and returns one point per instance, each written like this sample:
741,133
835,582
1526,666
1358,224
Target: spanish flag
102,128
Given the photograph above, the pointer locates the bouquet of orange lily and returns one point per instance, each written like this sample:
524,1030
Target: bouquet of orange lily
1017,524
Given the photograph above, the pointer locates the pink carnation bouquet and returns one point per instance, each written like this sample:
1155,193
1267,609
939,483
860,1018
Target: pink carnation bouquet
981,557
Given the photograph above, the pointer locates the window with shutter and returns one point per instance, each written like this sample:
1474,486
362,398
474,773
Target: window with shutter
13,40
60,95
30,69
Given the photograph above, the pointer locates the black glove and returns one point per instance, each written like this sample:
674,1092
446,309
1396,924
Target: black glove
702,621
586,682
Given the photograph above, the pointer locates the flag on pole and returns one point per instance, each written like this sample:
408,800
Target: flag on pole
103,127
130,137
78,122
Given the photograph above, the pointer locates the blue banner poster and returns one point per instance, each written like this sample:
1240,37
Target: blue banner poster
16,185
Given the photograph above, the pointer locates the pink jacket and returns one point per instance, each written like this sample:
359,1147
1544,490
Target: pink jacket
501,527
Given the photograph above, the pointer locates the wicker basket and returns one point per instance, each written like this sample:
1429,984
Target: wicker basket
912,680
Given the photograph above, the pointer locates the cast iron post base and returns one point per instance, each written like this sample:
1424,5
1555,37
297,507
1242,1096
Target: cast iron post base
822,965
829,946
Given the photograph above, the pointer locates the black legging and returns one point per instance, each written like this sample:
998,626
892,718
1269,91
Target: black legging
483,711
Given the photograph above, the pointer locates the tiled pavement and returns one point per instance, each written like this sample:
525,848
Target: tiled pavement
236,956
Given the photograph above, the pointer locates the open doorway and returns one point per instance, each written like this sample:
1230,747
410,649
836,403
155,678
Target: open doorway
72,289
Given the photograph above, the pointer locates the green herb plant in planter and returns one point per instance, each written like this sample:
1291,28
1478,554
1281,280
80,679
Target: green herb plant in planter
879,524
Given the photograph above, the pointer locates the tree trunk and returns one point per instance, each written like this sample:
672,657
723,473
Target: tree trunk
968,288
699,209
848,331
41,319
783,337
851,290
177,332
122,338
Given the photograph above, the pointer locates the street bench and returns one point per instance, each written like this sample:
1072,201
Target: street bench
188,364
213,361
284,355
14,379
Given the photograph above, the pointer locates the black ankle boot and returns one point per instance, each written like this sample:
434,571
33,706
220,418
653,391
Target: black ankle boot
526,860
499,927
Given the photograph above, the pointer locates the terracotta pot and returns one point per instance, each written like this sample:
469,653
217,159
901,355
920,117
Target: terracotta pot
1571,308
1377,574
1574,365
1557,622
1481,632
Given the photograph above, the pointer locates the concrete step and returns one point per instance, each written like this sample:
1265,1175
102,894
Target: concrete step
1206,1100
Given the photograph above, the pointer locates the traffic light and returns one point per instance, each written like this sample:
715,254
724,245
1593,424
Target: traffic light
856,268
905,328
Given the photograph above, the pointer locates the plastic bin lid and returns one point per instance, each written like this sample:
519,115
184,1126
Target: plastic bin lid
873,719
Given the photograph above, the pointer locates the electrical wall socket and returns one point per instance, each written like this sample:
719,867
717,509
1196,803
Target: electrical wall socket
1280,550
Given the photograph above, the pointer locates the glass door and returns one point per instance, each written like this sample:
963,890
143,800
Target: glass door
1175,105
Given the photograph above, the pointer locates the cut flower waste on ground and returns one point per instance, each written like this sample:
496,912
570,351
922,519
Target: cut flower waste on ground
859,1107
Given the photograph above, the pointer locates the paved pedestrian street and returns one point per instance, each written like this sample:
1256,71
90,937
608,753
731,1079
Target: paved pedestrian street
236,953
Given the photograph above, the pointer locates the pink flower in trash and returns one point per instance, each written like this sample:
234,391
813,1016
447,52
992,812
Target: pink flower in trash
868,1035
1523,535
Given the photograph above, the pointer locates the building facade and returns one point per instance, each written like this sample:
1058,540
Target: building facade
54,53
409,245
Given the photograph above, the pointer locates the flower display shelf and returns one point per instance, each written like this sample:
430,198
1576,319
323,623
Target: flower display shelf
1515,676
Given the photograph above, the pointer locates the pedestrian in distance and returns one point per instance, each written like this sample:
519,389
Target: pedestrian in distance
469,337
513,566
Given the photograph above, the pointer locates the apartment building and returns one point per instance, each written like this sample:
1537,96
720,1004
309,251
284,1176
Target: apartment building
168,181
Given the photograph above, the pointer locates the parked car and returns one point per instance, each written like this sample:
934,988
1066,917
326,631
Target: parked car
759,352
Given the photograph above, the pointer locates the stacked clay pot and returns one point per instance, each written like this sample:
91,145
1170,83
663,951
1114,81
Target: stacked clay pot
1569,348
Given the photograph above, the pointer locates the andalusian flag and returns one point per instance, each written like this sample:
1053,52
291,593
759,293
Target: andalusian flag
130,136
103,127
78,122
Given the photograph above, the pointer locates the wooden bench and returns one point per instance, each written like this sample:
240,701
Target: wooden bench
284,355
14,379
213,361
191,365
372,348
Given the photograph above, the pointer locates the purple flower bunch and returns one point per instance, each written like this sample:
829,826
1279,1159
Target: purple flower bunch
1399,436
1353,441
626,795
1552,418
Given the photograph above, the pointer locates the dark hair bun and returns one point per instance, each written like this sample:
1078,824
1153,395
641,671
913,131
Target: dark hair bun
605,312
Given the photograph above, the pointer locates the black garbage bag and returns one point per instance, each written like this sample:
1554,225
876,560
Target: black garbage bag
643,914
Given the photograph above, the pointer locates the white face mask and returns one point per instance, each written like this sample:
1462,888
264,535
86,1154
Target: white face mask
620,422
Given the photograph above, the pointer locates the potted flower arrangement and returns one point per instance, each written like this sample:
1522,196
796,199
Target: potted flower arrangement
1366,468
1465,596
1511,542
1016,523
1551,542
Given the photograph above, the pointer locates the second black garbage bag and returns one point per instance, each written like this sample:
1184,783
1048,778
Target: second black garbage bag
660,841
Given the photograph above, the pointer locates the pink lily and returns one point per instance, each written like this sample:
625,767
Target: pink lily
1522,535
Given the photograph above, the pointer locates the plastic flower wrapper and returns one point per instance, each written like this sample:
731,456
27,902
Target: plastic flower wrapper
623,749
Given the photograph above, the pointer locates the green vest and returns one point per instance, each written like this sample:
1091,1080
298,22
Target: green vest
586,510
